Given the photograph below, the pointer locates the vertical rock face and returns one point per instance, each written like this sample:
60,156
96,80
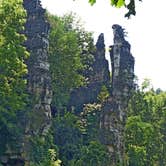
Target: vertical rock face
122,64
100,67
36,30
39,81
99,76
113,118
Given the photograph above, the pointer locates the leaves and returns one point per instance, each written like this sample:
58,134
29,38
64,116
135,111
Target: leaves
103,95
118,3
12,70
92,2
145,138
69,53
121,3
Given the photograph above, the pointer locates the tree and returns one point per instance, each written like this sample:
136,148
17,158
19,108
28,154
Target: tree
12,69
93,154
76,138
44,152
68,44
138,136
67,134
120,3
145,128
103,95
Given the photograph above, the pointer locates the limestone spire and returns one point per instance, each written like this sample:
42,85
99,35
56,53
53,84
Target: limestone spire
100,42
113,117
39,80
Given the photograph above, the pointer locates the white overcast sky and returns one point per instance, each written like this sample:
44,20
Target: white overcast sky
146,31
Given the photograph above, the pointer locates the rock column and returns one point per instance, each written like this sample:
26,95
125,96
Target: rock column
113,118
39,81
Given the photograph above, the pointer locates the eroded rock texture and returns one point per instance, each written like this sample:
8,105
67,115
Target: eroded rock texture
99,76
113,118
39,81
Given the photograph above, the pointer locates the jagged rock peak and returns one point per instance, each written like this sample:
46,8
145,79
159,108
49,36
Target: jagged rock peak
113,118
118,30
97,77
122,62
100,42
119,35
33,6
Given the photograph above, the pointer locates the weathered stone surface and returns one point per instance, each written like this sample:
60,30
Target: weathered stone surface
39,81
99,76
113,117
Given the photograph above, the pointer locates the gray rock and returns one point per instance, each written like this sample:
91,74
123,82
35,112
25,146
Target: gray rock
39,81
98,77
113,117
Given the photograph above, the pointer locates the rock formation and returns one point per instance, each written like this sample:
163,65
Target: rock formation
99,76
113,117
39,81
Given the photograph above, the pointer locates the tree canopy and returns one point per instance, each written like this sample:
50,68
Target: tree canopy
68,42
130,6
12,69
145,131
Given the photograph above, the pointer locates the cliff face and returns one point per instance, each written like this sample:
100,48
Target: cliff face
39,81
113,117
99,76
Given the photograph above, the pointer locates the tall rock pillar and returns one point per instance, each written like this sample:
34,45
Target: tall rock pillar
39,81
113,118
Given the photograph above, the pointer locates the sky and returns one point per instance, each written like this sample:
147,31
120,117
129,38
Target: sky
146,31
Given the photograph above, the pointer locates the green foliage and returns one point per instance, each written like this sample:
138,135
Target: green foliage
94,154
138,155
70,56
77,138
121,3
43,151
146,85
103,95
90,119
65,59
145,130
50,159
12,55
92,2
137,136
118,3
12,70
67,136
